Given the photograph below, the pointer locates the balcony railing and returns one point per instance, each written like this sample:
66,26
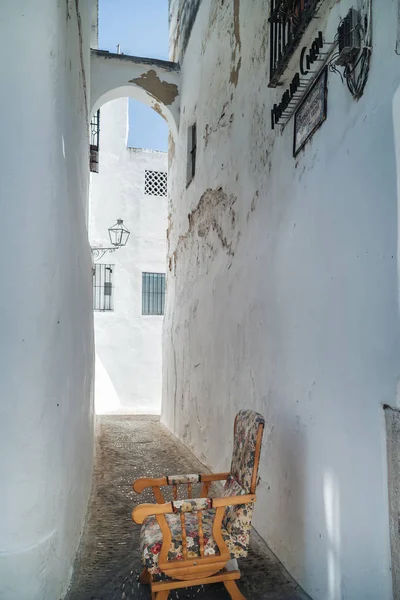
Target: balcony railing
94,142
288,21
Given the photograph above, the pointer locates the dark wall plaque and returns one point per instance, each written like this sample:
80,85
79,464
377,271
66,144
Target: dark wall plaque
311,113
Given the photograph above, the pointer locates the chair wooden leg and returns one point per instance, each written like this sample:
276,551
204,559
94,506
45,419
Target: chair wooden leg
233,590
162,595
145,577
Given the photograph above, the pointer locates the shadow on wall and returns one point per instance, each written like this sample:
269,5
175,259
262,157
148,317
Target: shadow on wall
106,398
291,497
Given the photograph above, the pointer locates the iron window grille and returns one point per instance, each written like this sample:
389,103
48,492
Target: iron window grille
288,21
155,183
94,142
192,152
153,293
103,297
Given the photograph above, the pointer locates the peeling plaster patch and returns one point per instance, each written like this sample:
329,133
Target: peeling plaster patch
160,90
253,205
260,53
223,121
158,110
214,17
234,78
260,151
176,37
171,149
169,229
207,133
214,213
236,22
184,18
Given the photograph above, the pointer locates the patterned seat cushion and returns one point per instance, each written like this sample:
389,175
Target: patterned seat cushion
237,519
151,539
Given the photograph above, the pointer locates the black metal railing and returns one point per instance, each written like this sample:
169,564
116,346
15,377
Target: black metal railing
94,142
153,293
95,129
103,287
288,21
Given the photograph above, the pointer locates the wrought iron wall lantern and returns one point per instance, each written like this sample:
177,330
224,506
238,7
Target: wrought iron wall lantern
119,235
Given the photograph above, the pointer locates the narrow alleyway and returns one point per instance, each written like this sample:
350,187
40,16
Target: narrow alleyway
108,563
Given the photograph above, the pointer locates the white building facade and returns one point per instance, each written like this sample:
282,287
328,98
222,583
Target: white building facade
129,284
46,316
55,84
283,283
283,274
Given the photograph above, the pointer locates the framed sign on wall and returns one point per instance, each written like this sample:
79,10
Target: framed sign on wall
311,113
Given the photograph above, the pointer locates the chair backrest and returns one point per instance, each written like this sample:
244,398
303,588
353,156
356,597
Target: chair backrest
249,427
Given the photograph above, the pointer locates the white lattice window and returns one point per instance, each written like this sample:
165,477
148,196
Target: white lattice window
155,183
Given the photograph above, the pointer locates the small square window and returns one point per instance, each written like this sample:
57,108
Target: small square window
155,183
153,293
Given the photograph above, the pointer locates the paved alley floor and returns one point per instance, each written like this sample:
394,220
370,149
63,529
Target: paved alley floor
108,562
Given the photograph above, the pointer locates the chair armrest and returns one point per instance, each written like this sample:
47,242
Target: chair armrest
146,482
200,504
233,500
141,512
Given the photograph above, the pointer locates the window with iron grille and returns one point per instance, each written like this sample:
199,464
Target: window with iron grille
153,293
94,142
288,20
103,296
155,183
192,152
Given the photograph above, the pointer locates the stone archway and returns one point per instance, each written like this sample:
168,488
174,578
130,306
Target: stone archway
151,81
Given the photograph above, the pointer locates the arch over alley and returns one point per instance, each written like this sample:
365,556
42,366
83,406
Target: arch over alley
151,81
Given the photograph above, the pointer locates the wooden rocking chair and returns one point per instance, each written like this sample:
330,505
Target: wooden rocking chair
189,542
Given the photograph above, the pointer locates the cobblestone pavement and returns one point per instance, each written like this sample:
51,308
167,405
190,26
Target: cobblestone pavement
108,562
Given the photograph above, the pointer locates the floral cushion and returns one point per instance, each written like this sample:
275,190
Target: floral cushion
191,505
237,519
244,447
151,540
180,479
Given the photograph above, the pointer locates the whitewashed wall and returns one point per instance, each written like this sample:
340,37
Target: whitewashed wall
128,344
283,291
46,321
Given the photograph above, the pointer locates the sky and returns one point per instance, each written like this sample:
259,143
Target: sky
141,28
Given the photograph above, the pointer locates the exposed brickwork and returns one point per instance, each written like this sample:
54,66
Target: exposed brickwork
108,562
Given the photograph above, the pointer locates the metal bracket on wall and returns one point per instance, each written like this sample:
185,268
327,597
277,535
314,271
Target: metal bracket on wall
99,252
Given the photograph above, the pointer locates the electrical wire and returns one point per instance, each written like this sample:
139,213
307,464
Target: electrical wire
356,75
